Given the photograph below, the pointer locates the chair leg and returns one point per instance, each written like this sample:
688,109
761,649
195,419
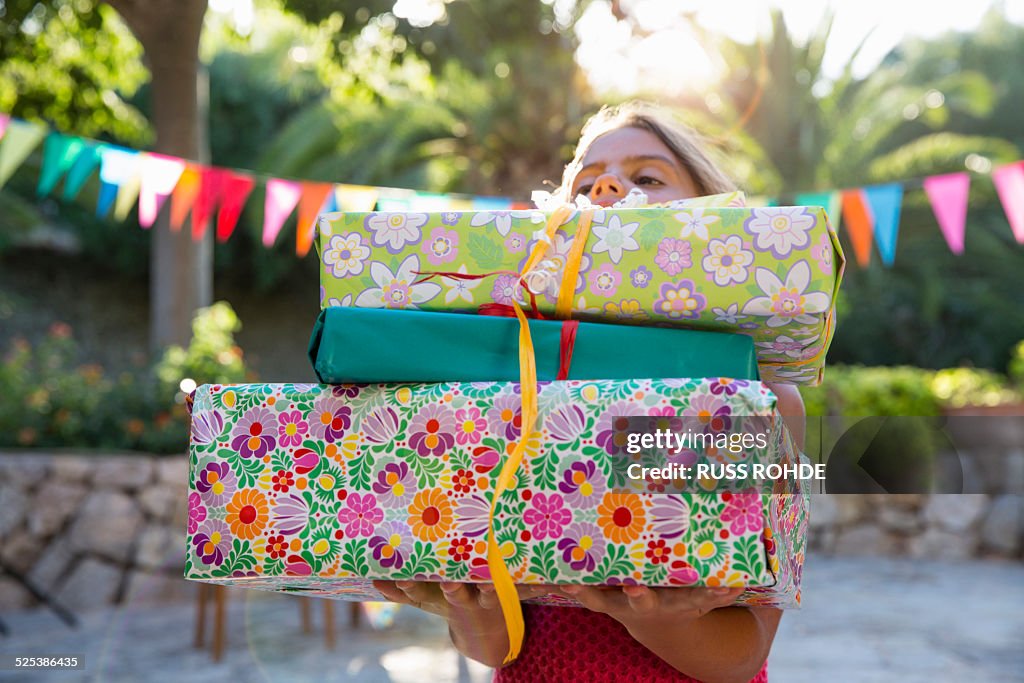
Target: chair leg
202,595
219,601
354,615
307,617
328,623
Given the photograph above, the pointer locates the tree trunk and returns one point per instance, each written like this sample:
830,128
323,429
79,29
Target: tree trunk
181,269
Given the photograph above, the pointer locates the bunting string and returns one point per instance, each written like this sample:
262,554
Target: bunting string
869,215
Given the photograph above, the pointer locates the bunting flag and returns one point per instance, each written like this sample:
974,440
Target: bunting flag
282,196
356,198
128,191
871,214
948,196
1009,181
859,223
886,202
159,177
116,166
428,201
491,204
211,188
184,195
85,165
235,192
315,196
59,154
394,199
20,138
831,201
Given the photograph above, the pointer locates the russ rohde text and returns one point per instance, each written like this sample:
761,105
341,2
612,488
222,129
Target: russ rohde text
735,471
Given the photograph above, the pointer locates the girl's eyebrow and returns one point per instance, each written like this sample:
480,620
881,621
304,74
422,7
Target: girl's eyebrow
633,160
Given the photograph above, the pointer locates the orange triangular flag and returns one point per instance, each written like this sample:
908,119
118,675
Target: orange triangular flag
184,195
858,220
314,195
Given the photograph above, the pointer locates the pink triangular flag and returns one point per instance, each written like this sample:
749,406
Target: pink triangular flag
282,197
1009,182
160,175
4,119
948,195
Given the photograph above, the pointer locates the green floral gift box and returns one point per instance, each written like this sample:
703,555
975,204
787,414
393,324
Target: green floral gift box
772,272
324,488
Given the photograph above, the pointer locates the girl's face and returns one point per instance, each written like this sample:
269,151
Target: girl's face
625,158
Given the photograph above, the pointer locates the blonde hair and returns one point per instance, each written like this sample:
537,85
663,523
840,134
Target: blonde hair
684,143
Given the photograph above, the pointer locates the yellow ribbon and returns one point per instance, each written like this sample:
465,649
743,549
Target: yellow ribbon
504,586
573,261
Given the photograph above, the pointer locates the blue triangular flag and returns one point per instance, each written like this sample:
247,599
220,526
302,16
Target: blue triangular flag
886,201
491,204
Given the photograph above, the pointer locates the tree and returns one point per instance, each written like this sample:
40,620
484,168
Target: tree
181,269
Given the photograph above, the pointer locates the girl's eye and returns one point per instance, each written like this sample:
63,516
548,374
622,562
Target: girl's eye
583,189
647,180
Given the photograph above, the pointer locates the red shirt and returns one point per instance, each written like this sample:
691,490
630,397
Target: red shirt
574,644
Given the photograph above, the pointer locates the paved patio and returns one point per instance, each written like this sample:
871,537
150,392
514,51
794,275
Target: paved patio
864,620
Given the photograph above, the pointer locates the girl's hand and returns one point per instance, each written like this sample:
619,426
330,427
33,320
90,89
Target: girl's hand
474,616
639,607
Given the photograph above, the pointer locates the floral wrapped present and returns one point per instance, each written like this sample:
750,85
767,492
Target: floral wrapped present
768,272
324,488
416,348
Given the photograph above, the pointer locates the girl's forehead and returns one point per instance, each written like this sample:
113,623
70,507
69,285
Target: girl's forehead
623,143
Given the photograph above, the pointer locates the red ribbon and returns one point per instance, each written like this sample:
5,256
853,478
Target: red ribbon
566,346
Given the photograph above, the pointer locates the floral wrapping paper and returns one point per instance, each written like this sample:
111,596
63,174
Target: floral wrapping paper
772,272
322,488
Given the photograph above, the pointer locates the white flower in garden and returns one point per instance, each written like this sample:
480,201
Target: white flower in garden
729,315
727,261
397,290
780,229
614,237
395,230
788,301
345,255
459,289
503,219
694,223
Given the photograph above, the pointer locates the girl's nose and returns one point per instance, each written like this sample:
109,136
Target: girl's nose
608,188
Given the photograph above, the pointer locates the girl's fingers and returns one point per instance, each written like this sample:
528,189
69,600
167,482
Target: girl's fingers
597,600
418,592
459,594
391,592
642,600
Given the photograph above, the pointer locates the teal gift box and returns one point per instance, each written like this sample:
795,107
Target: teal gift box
381,345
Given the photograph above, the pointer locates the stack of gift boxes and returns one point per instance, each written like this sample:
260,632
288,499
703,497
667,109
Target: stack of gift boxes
443,336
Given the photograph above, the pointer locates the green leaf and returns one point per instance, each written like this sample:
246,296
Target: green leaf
353,559
486,250
427,469
543,561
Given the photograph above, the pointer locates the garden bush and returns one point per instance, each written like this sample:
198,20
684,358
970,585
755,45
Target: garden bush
53,401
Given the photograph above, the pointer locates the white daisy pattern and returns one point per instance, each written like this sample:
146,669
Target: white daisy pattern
459,289
398,289
346,254
780,229
615,237
395,230
503,219
730,315
695,223
727,261
789,301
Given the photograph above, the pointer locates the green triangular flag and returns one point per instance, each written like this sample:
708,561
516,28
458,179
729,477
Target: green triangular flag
18,142
59,154
829,200
88,161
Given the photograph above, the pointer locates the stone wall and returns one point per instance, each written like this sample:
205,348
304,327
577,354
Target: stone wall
91,529
98,529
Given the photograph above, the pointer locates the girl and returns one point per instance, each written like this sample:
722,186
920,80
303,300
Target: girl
632,633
